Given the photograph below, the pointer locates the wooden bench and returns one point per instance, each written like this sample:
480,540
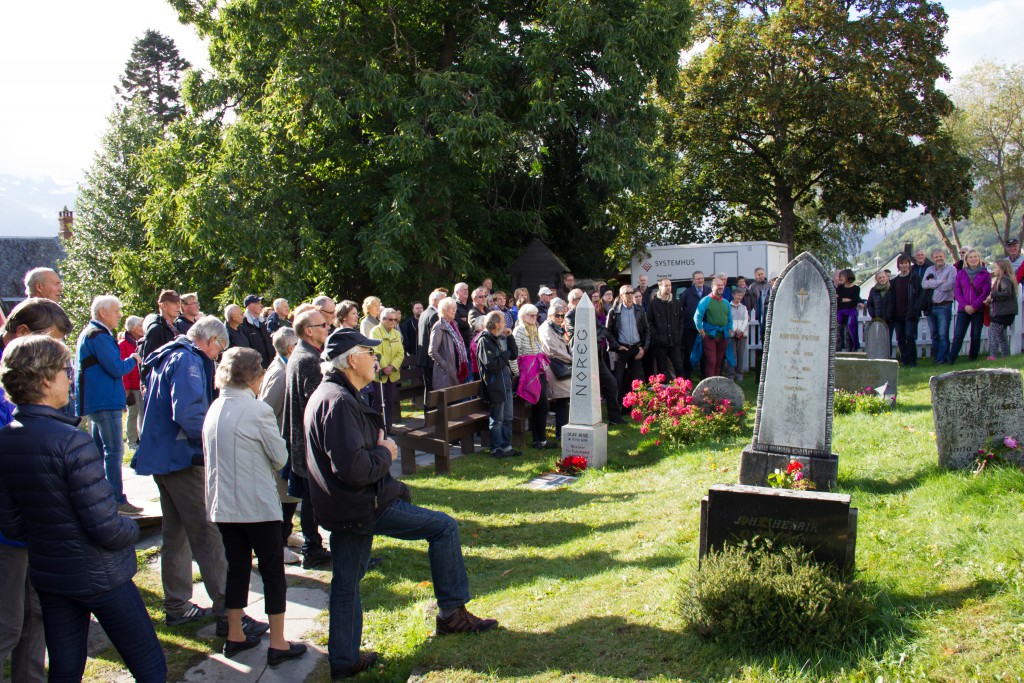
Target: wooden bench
453,414
521,433
411,384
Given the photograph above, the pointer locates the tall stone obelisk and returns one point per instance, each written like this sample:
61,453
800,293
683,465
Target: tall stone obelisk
586,434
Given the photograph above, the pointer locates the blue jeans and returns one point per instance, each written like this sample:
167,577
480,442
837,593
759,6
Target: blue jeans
938,325
501,422
351,552
976,320
108,433
123,617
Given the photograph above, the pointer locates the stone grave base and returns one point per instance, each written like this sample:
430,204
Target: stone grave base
590,441
756,465
823,523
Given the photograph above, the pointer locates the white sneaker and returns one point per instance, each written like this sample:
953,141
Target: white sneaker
290,557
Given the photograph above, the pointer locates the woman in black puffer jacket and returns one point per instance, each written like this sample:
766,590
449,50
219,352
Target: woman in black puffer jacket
54,495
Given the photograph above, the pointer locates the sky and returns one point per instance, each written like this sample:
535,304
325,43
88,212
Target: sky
62,58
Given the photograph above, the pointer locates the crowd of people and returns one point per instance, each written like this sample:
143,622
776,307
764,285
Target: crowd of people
244,421
984,296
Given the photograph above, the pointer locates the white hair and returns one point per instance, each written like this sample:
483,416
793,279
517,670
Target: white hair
446,303
230,309
284,339
279,302
575,295
322,301
35,277
527,309
435,297
103,303
132,321
208,328
385,312
340,362
460,286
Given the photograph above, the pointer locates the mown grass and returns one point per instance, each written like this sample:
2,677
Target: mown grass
585,580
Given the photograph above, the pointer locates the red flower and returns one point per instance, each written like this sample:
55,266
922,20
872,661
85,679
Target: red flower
794,466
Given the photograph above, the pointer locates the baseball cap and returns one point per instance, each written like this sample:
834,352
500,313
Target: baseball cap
343,339
253,299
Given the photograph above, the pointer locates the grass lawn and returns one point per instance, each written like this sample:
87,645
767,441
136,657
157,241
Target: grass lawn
585,580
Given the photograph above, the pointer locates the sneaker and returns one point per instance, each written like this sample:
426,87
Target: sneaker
463,621
290,557
232,647
544,445
250,627
316,558
506,453
193,613
276,657
127,508
366,660
616,421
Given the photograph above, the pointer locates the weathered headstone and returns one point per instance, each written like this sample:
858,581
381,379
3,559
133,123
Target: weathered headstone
715,389
855,375
851,354
823,523
877,341
971,406
586,434
795,395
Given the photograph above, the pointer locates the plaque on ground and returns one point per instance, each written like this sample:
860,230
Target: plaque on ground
550,481
711,391
586,434
823,523
795,394
971,406
855,375
877,341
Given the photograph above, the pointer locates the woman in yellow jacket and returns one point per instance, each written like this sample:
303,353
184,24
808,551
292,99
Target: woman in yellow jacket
390,353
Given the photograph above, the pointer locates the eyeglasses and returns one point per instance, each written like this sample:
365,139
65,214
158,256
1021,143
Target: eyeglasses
557,315
320,325
480,296
364,353
629,292
391,320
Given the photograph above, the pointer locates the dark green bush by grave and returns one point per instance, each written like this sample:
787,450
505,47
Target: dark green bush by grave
772,597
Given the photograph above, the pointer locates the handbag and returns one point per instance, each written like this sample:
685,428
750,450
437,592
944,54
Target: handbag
560,369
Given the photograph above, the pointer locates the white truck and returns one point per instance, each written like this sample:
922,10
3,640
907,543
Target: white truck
679,261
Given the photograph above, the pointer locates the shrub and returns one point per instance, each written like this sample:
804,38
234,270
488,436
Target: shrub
668,407
864,401
772,597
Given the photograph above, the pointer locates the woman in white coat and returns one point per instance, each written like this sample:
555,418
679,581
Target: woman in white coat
243,450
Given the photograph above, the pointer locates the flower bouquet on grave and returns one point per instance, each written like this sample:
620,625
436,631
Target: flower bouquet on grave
668,407
995,453
571,465
792,478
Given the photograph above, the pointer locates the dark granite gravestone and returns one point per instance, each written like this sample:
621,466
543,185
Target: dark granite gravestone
877,340
855,375
971,406
796,391
823,523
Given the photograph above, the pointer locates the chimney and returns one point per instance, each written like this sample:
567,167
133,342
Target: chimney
66,219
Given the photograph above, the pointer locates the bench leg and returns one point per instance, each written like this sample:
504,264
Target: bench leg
442,461
467,444
408,460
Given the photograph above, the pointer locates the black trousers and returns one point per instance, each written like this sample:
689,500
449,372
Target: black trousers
627,369
240,541
609,388
670,361
312,541
539,413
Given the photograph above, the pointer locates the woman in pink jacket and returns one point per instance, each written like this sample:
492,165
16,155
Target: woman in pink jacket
972,287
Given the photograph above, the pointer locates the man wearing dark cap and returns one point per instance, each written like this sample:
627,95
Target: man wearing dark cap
349,462
158,328
1013,253
256,330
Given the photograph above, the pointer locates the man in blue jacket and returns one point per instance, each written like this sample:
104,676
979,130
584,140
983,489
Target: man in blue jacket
179,391
100,391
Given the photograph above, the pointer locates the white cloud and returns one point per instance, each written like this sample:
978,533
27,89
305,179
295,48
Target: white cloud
985,30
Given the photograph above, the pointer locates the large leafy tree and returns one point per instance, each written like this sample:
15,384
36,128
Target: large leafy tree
988,124
153,74
809,108
388,147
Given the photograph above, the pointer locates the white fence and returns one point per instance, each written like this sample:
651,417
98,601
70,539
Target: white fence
924,337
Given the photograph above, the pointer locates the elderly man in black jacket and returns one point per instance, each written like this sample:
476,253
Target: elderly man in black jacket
349,462
426,324
256,330
628,325
665,319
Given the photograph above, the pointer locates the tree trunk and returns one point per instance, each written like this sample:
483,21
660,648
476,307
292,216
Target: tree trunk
786,205
953,249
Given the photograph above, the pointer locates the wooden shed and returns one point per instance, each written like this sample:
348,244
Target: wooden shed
537,266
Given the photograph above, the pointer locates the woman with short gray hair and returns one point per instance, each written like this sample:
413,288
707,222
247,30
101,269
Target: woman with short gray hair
244,449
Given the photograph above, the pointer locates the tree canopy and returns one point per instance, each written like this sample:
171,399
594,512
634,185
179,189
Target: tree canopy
808,109
386,147
153,74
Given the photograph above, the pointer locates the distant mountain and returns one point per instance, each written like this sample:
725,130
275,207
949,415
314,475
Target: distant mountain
29,206
921,232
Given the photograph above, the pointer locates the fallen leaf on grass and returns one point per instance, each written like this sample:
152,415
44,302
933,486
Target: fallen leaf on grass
506,572
423,584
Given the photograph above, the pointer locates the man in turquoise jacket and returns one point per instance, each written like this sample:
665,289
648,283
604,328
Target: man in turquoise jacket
100,391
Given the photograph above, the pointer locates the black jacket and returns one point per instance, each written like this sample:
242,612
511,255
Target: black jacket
301,378
880,304
688,300
349,474
494,365
54,494
462,323
615,323
183,324
426,324
915,297
157,332
665,319
410,329
238,338
276,322
259,339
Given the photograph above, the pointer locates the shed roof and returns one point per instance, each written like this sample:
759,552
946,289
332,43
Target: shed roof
18,255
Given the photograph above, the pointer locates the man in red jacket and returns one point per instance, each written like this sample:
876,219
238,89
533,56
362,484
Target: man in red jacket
132,386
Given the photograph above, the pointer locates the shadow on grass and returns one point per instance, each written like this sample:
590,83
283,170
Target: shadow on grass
860,484
512,500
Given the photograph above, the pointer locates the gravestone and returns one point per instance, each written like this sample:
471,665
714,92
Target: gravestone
851,354
823,523
971,406
877,341
586,434
795,394
714,389
854,375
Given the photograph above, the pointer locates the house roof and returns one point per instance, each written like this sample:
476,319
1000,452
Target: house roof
537,250
18,255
